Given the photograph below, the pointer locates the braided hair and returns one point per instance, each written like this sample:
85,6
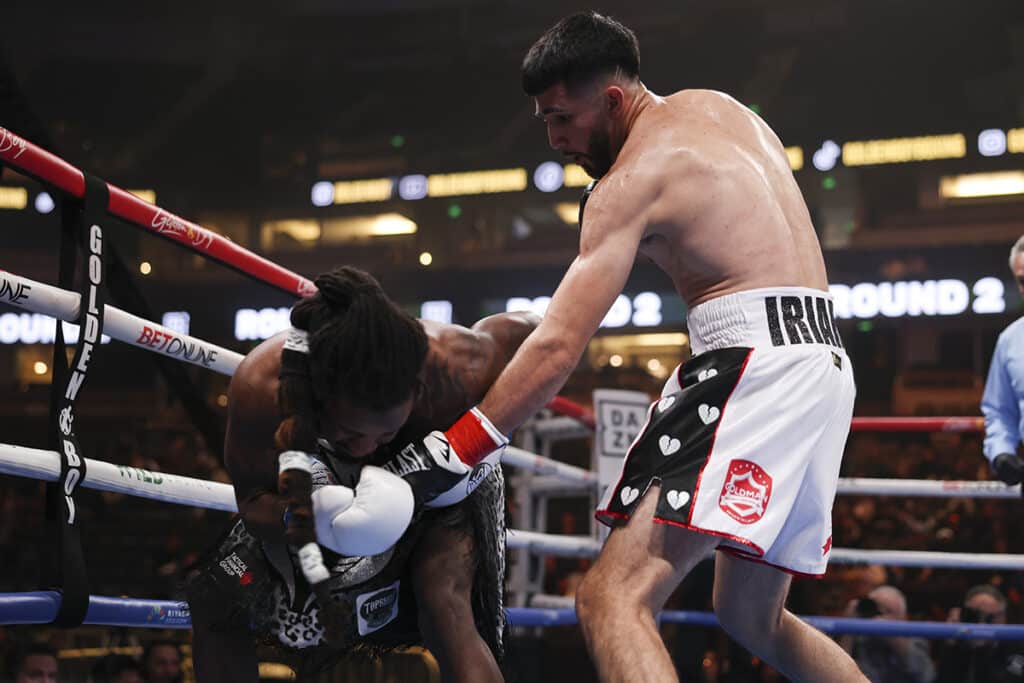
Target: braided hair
348,339
361,346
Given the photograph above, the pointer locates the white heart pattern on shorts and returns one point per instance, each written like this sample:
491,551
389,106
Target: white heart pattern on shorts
628,494
666,403
668,445
708,414
678,499
706,374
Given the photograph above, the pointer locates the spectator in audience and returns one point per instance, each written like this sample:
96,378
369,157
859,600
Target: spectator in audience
116,669
981,661
888,659
1004,390
161,662
32,663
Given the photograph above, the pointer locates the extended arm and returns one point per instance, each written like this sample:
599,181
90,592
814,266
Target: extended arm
616,220
547,357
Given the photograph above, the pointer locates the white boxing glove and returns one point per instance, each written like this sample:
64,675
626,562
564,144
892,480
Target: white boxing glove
366,521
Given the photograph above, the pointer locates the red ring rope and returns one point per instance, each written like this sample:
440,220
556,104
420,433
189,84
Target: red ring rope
569,408
918,424
34,161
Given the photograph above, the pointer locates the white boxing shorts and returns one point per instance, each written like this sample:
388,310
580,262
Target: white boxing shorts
748,436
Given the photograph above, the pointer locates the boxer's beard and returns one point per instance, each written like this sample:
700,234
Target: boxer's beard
599,154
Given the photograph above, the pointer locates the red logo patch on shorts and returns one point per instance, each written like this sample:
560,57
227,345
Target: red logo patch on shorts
746,492
245,579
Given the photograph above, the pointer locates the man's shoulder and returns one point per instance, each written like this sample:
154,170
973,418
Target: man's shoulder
1012,331
253,386
703,96
511,322
491,338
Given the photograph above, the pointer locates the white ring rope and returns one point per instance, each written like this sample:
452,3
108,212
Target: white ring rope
538,464
913,488
923,558
146,334
125,327
927,488
585,546
121,325
171,488
104,476
856,486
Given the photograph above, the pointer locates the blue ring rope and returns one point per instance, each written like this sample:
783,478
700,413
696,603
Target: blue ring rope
531,616
40,607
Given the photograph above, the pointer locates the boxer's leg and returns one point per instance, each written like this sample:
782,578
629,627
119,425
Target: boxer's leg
638,568
221,655
750,603
444,566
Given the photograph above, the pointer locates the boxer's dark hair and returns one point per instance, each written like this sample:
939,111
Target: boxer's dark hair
579,49
361,346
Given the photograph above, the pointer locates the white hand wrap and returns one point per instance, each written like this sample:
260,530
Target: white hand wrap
367,521
312,563
295,460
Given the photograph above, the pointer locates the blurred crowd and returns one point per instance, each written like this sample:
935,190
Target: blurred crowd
159,661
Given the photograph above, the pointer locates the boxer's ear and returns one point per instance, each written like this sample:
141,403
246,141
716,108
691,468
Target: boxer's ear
614,98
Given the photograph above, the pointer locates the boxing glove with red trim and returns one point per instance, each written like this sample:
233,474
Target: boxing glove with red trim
445,467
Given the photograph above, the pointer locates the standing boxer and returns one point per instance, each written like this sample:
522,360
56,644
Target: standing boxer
742,452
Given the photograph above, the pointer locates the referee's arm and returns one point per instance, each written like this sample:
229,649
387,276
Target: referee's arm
1000,406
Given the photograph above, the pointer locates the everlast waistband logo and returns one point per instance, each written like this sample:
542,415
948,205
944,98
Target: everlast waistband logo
805,320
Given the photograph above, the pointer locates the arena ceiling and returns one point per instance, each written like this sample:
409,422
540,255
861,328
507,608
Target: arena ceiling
241,100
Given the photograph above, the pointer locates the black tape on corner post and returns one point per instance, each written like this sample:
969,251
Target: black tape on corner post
81,228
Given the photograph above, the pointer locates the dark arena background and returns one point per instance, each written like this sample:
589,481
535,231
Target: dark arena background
281,140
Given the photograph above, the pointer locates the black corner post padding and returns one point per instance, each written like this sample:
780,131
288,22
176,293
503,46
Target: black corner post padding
82,224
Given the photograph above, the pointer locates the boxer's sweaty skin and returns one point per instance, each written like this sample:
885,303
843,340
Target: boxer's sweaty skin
461,364
726,213
700,185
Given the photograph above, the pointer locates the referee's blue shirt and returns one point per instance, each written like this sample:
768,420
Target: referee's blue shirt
1003,401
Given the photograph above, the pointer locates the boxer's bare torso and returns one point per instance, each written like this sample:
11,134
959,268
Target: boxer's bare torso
699,184
724,213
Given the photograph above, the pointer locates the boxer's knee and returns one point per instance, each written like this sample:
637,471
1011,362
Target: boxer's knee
596,598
